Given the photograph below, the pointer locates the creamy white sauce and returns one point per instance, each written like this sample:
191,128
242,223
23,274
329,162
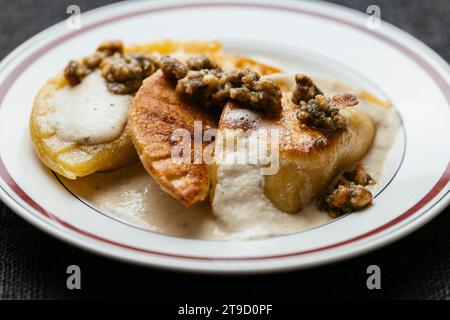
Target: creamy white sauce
240,209
131,195
88,113
245,212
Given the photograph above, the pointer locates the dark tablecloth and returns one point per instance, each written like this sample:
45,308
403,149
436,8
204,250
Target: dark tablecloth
33,264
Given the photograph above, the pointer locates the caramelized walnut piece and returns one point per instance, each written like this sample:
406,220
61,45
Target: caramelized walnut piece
75,72
315,110
348,194
108,48
319,113
200,62
248,88
202,86
93,61
349,197
305,89
359,176
173,68
124,73
202,80
104,50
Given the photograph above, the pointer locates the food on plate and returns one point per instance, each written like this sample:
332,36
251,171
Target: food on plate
319,137
79,119
348,194
173,99
155,114
229,147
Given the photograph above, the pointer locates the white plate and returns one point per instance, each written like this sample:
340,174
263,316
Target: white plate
320,38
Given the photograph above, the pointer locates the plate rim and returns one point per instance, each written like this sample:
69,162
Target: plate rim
435,209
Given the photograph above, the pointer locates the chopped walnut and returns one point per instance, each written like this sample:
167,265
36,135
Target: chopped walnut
125,73
359,176
200,62
315,110
348,194
202,86
106,49
305,89
349,197
111,47
248,87
202,80
75,72
93,61
318,113
172,68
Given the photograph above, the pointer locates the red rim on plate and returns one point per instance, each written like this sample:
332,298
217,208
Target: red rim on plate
430,70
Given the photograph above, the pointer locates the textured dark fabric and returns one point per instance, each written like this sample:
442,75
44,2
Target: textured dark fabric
33,264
